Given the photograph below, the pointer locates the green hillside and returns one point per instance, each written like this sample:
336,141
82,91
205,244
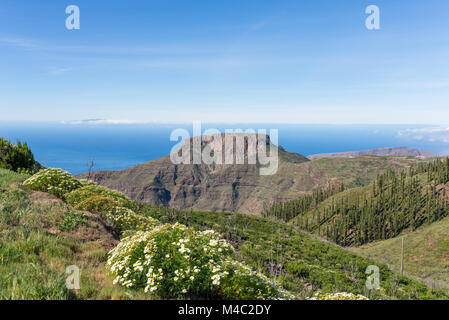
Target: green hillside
303,265
426,253
392,203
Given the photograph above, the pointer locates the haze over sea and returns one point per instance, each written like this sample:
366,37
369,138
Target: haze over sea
119,146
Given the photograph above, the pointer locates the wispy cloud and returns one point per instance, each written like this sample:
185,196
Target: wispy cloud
432,134
106,121
425,85
198,55
59,71
19,42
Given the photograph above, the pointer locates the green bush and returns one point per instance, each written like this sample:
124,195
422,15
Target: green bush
76,197
338,296
173,261
97,204
71,220
170,261
125,219
85,182
54,181
17,157
244,284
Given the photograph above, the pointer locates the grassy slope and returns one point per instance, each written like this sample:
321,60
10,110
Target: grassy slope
303,264
39,238
426,253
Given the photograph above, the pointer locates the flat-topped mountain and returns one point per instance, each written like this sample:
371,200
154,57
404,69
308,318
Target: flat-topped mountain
238,187
399,151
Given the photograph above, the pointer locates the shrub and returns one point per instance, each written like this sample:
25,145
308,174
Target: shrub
173,261
54,181
17,157
29,172
71,220
85,182
170,261
97,204
337,296
76,197
244,284
125,219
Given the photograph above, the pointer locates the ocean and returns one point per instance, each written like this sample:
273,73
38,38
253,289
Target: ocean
119,146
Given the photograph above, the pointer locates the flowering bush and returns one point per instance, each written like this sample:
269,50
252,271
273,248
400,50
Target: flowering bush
171,261
80,195
337,296
97,204
54,181
125,219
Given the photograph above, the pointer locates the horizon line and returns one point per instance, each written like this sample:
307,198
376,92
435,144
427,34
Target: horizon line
126,122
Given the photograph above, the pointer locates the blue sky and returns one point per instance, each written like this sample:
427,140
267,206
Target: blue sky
225,61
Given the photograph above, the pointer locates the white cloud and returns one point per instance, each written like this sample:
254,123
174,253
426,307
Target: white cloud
432,134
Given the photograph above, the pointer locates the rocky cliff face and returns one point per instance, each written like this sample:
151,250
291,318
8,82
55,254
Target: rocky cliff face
237,187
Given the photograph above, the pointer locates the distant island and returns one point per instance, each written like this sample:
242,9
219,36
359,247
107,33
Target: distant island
399,151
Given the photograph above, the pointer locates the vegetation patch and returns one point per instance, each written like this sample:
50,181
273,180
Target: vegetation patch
393,203
97,204
301,264
426,253
71,220
34,254
124,219
338,296
174,261
54,181
17,157
82,194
